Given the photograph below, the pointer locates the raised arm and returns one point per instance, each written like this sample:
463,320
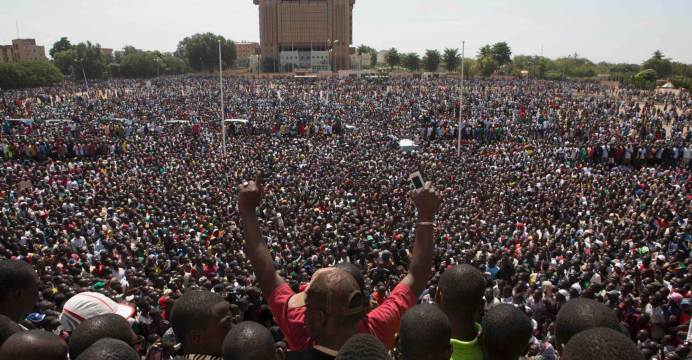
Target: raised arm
256,250
427,203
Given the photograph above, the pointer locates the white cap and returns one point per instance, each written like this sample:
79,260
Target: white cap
87,305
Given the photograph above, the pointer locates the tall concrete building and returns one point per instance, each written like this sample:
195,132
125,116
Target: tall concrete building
314,34
22,50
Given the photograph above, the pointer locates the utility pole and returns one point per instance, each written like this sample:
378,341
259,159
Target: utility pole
461,99
223,110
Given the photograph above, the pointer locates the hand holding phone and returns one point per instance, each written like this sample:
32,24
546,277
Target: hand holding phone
416,179
425,198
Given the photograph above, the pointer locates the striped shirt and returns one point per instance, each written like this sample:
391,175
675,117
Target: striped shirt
198,357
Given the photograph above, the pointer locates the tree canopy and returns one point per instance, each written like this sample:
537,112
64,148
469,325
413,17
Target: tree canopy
432,60
661,65
451,59
29,74
411,61
83,59
201,51
392,58
60,45
502,53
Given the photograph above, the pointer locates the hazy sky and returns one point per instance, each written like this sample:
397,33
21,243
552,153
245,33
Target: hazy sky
610,30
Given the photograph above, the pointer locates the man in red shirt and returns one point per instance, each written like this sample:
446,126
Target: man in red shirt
383,321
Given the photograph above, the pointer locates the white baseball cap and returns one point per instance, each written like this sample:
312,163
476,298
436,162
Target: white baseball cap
87,305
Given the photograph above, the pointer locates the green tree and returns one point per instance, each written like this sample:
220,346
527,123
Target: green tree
451,59
647,75
29,74
663,66
364,49
411,61
139,64
680,69
64,60
432,60
502,53
60,45
202,51
88,60
173,65
624,68
392,58
486,61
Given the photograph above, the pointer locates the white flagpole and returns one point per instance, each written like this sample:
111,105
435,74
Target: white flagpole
461,99
223,112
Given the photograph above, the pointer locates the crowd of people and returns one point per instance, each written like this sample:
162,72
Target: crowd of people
554,222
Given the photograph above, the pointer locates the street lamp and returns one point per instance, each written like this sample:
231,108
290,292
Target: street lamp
158,62
333,53
81,62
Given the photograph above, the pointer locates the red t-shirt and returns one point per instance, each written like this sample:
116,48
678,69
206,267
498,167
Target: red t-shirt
382,322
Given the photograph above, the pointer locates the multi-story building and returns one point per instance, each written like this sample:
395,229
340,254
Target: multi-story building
381,56
6,54
22,50
306,26
246,49
106,52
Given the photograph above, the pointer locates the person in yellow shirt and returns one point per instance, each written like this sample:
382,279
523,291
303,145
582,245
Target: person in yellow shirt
460,295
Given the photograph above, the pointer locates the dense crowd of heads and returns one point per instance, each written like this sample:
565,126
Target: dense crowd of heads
568,201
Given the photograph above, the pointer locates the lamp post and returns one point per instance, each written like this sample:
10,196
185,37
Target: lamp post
223,110
81,62
334,45
461,99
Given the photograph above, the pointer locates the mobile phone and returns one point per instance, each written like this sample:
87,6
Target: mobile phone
416,179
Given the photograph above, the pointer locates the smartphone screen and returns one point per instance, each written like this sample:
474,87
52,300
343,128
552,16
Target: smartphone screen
417,180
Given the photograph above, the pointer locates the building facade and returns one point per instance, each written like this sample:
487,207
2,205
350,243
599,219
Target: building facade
312,26
22,50
107,52
246,49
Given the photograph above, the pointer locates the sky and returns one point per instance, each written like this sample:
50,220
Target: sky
601,30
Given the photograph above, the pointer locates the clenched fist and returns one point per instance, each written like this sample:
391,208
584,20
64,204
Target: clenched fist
427,201
249,196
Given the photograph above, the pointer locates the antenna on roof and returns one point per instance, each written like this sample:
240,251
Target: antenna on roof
16,23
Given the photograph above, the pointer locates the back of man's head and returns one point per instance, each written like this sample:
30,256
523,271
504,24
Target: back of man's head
34,345
582,314
109,349
362,347
7,328
196,321
601,344
355,272
18,288
506,333
100,327
425,334
249,340
460,292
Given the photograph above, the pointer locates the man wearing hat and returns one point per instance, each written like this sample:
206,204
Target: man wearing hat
333,306
87,305
383,321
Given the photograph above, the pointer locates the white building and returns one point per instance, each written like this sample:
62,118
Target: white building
360,62
381,56
304,59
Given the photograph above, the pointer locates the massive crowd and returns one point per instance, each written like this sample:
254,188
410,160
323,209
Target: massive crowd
561,192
